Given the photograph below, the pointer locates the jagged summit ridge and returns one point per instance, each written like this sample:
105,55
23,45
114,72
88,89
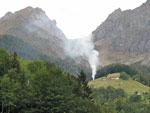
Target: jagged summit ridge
33,17
33,26
125,36
31,12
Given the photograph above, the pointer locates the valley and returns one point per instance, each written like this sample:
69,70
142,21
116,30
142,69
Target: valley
42,71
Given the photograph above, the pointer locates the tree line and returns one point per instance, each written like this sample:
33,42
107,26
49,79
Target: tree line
137,72
41,87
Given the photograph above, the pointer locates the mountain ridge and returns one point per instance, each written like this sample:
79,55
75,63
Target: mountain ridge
124,36
33,28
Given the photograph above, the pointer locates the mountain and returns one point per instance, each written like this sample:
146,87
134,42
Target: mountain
34,36
125,36
33,26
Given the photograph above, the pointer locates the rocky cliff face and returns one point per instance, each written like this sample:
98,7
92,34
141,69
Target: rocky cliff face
33,26
125,36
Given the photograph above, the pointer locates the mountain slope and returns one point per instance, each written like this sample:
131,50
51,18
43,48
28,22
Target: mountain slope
33,26
27,51
23,49
125,36
31,34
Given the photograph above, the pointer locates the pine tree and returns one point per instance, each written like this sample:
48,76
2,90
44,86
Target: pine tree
15,62
83,88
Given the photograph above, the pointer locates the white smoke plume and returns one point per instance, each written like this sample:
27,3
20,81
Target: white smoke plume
83,47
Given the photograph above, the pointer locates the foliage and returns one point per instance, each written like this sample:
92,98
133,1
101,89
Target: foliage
28,51
4,62
41,87
82,88
117,101
124,76
110,93
115,68
142,75
135,98
137,72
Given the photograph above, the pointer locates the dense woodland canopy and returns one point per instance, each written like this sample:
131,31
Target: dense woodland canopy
41,87
114,100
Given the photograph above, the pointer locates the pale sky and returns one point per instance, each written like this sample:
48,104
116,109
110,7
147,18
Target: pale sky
76,18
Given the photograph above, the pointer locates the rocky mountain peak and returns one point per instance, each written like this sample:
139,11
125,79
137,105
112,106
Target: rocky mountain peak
118,10
115,14
7,15
125,36
31,13
27,9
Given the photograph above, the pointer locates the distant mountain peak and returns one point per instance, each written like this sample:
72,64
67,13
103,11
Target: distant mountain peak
31,13
29,8
115,14
125,36
7,15
118,10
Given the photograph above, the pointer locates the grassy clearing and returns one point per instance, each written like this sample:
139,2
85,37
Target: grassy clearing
128,85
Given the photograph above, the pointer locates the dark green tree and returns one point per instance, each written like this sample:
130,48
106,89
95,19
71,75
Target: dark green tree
124,76
4,62
135,98
15,62
83,89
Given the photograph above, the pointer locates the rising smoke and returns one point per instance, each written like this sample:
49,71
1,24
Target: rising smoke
83,47
76,48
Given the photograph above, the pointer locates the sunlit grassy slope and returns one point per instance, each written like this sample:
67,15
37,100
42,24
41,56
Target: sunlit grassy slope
128,85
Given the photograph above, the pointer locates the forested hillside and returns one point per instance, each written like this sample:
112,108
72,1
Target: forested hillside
41,87
114,100
27,51
24,50
121,88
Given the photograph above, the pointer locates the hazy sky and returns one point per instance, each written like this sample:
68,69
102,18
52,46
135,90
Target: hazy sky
76,18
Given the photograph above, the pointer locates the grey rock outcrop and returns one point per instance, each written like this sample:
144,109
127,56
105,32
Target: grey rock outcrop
125,36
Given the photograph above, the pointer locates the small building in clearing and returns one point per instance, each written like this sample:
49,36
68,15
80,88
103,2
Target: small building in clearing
114,78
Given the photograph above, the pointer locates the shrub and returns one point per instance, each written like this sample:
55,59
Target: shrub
124,76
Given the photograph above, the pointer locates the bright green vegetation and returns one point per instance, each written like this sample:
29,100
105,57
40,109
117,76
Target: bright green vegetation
114,100
119,93
127,85
41,87
136,72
